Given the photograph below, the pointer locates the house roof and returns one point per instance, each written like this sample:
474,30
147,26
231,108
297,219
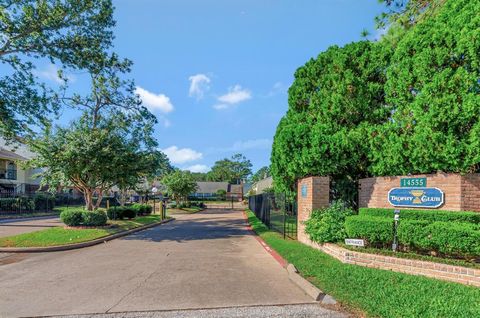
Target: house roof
236,188
211,187
15,151
263,184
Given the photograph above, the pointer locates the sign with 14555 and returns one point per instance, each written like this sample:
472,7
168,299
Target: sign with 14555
413,182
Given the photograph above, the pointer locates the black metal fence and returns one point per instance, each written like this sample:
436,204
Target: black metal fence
13,204
276,211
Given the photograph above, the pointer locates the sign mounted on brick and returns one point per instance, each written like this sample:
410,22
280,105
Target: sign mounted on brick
416,197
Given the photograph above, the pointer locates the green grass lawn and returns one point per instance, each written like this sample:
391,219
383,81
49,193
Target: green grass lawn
377,293
61,236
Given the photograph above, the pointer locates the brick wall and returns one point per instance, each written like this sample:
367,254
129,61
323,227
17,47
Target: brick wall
317,196
461,192
458,274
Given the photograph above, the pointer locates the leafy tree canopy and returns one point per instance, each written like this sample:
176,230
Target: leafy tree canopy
74,34
333,101
232,170
434,90
262,173
180,184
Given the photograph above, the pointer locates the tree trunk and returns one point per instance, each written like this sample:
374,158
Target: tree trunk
99,199
88,195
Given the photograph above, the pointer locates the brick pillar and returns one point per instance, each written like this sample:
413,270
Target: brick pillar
312,193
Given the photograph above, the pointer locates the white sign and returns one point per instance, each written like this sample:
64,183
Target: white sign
355,242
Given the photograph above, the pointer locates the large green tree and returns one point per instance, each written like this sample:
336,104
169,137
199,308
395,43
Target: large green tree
71,33
333,102
180,184
434,90
232,170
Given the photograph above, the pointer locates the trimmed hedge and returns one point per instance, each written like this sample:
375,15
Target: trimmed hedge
375,231
122,212
142,209
78,217
446,238
328,224
427,215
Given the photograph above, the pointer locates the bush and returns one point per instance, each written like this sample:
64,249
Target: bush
94,218
73,217
452,239
428,215
375,231
129,212
43,201
115,213
142,209
328,224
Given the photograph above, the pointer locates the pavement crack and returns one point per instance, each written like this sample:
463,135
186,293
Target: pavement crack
132,291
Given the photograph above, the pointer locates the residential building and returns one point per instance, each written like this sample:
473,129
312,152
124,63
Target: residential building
260,186
13,178
210,190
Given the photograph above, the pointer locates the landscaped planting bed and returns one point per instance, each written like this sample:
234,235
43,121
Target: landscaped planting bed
377,293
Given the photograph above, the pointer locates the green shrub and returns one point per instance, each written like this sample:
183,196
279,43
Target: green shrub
447,238
115,213
72,217
428,215
94,218
142,209
43,201
328,224
129,212
375,231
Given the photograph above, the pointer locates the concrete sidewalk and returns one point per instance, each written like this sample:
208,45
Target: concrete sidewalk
19,226
202,260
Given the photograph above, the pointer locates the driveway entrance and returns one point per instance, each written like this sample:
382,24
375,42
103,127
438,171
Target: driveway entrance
203,260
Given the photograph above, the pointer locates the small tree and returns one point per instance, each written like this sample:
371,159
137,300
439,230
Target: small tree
222,194
180,184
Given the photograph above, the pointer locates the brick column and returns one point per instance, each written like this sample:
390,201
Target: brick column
312,193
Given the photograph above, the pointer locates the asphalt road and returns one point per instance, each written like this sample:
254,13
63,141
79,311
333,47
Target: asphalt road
19,226
203,260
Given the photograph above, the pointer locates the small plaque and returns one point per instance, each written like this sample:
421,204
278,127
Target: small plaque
355,242
304,190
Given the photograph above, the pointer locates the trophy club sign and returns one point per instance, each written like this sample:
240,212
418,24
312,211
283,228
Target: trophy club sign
416,197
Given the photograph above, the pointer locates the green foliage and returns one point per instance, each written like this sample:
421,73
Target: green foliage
115,213
19,203
72,217
221,194
373,292
80,217
232,170
43,201
142,209
129,212
405,104
434,93
375,231
452,239
94,218
262,173
72,34
328,224
180,184
333,101
428,215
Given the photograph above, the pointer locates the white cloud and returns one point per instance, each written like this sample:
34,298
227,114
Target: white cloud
235,95
153,101
277,88
198,85
51,73
239,146
198,168
177,155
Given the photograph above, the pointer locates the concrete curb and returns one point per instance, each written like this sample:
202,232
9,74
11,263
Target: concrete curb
308,287
80,245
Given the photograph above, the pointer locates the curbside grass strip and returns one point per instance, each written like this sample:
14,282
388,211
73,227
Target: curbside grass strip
82,244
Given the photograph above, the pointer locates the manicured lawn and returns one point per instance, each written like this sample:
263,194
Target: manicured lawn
377,293
61,236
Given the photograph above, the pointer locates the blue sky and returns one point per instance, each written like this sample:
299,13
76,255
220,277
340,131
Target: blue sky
216,72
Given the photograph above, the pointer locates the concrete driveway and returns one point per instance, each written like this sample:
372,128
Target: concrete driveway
203,260
19,226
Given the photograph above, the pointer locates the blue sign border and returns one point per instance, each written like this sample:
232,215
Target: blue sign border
413,205
304,190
